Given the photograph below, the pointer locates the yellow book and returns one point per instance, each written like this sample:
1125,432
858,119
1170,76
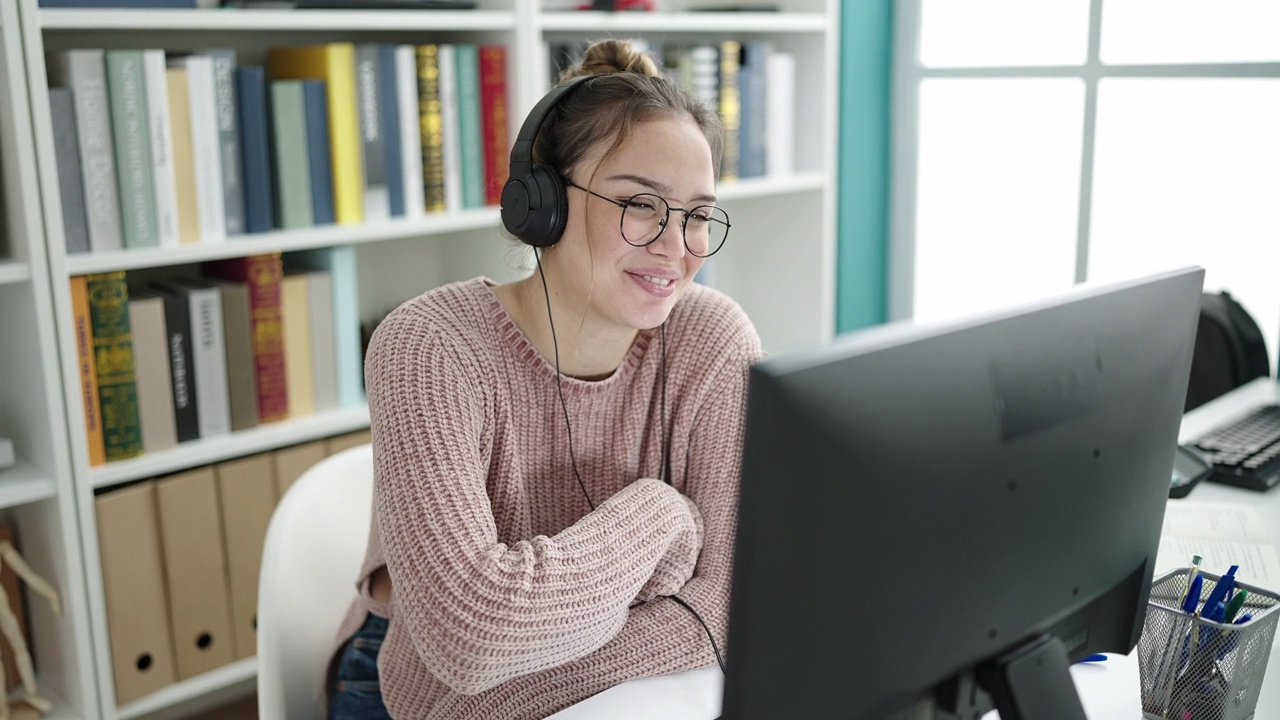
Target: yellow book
335,64
297,345
87,364
184,161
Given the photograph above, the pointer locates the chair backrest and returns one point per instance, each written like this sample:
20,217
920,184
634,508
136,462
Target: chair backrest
313,551
1229,350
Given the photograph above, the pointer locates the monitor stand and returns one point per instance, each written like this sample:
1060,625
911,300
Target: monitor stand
1033,681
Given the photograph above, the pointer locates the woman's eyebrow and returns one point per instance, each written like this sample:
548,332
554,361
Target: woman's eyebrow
658,187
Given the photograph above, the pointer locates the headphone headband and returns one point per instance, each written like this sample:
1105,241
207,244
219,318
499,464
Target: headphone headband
522,149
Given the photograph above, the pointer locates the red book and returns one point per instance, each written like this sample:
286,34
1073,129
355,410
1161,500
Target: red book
493,112
263,274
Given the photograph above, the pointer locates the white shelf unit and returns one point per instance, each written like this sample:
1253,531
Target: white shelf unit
779,264
37,495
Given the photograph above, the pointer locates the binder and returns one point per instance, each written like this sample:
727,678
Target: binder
196,570
247,490
291,462
142,659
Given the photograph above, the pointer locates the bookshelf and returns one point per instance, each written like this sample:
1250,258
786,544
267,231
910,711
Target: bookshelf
780,262
38,495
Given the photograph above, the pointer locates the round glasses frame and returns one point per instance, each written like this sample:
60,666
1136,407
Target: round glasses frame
666,218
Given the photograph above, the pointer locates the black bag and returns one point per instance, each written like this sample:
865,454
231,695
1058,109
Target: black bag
1229,350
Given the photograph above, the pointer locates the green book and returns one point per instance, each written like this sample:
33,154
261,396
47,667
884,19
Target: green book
292,162
113,357
469,125
127,95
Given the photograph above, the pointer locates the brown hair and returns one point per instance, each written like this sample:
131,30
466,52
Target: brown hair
627,89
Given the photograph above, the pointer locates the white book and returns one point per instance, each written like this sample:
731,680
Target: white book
324,352
208,356
780,114
166,188
206,147
410,131
447,58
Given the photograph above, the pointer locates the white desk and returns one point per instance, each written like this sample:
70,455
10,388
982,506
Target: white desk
1108,690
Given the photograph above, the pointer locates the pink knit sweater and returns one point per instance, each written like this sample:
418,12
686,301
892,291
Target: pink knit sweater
512,599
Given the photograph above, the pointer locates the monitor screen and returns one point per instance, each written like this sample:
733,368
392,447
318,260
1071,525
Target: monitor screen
930,509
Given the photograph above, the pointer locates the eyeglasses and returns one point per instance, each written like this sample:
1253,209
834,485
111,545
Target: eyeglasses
645,216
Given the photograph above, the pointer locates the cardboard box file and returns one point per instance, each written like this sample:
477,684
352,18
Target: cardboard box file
291,462
248,493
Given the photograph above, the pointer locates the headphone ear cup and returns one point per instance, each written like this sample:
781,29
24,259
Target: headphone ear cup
544,206
555,203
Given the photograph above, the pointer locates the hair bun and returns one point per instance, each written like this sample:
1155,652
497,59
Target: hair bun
612,56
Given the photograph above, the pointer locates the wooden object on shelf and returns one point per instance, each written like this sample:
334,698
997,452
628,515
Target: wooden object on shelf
11,627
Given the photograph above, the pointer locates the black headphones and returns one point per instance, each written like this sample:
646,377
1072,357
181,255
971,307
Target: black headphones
535,206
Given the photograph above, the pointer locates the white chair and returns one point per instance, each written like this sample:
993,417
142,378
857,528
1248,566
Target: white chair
313,551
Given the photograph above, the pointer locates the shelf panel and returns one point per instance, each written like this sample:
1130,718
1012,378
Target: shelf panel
195,453
703,23
241,671
275,20
25,483
284,241
766,186
13,271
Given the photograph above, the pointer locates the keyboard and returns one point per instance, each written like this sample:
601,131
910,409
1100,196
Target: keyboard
1246,452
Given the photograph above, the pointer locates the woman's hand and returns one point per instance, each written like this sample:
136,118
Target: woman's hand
676,567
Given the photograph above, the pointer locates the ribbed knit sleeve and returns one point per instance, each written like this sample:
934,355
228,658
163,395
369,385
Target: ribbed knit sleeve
479,611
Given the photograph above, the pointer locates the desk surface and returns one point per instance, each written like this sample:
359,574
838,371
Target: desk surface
1108,690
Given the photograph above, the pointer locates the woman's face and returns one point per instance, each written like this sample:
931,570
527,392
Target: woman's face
625,286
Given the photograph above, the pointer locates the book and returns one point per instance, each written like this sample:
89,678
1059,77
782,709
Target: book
85,73
225,100
410,133
263,274
242,372
730,107
430,125
177,324
206,148
292,176
160,127
113,356
451,150
752,133
780,117
377,194
493,110
470,127
126,90
1224,534
88,370
208,356
340,263
154,375
324,353
335,64
255,149
319,160
389,120
184,162
300,378
75,226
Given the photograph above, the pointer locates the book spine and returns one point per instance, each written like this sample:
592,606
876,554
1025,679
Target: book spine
324,353
212,404
451,151
493,105
299,372
154,375
410,132
206,148
75,227
126,89
160,128
751,97
340,262
429,118
177,322
242,378
100,4
730,108
263,274
780,123
228,121
87,364
377,200
255,148
184,163
389,116
318,159
88,83
470,127
704,71
292,167
113,353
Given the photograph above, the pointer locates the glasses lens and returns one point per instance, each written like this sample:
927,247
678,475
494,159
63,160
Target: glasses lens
642,219
705,230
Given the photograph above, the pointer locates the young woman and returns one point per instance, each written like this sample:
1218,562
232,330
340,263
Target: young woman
557,458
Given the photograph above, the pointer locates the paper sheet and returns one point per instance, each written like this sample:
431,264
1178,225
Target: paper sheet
1223,534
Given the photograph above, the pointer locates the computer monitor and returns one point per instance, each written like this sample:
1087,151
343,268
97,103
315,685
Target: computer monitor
930,509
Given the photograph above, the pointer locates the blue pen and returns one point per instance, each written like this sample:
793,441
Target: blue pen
1099,657
1215,605
1193,594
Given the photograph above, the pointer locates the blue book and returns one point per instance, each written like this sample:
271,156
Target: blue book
255,149
751,101
103,4
315,105
389,99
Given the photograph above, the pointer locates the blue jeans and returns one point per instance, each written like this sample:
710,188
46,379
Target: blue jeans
354,692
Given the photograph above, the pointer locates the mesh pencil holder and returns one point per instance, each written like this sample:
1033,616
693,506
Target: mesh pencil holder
1194,668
